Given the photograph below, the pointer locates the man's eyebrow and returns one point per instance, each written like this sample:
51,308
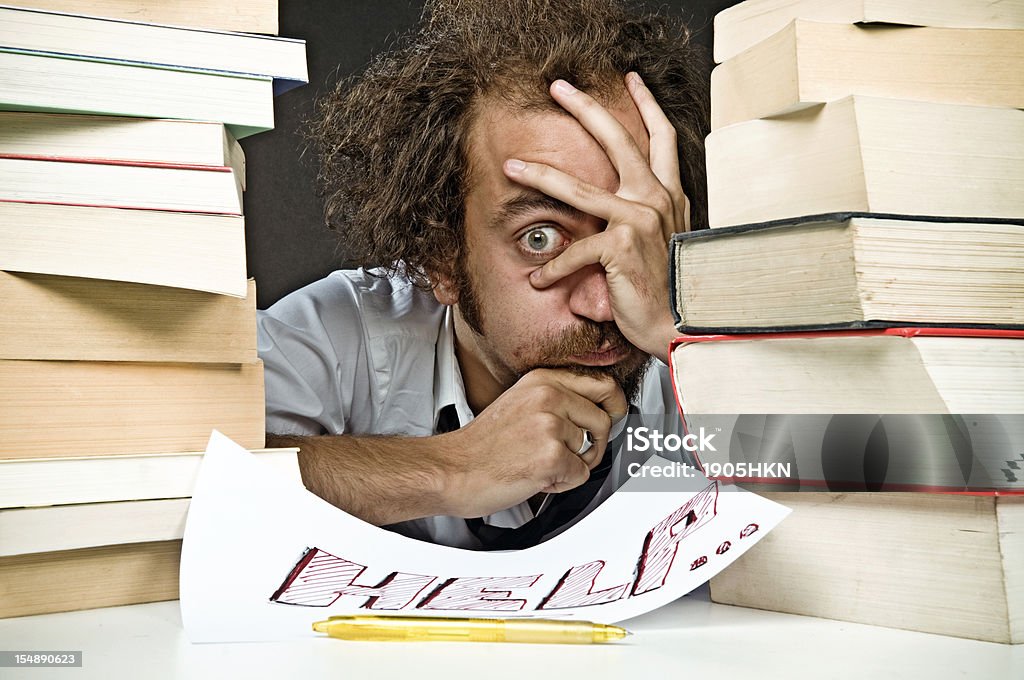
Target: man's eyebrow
529,202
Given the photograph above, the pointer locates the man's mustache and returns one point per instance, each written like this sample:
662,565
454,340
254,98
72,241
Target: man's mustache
586,337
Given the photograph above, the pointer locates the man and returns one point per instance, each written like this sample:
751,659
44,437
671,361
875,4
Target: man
513,178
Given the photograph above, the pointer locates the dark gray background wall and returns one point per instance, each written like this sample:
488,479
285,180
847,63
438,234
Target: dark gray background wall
287,244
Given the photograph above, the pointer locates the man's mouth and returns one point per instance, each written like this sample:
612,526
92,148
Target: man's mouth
605,355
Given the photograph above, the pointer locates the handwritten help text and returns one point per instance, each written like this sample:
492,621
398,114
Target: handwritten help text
320,579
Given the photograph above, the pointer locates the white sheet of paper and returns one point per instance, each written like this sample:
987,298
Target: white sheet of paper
247,531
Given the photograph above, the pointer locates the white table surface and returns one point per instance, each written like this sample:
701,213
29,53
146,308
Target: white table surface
688,639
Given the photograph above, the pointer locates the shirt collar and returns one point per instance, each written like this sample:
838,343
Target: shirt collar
449,390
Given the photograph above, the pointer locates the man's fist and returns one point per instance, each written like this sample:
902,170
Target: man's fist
526,441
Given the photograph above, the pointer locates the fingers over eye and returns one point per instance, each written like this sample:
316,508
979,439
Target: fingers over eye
626,157
577,255
566,188
664,151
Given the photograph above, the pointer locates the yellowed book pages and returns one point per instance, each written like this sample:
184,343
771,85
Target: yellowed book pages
945,564
183,250
246,16
89,525
85,407
849,271
809,63
868,154
850,373
74,319
23,28
142,140
244,104
148,187
69,526
70,580
748,23
96,479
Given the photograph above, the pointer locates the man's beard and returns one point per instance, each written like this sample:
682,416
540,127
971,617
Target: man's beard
587,337
584,338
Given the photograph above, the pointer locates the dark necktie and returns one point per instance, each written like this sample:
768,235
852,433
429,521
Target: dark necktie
562,509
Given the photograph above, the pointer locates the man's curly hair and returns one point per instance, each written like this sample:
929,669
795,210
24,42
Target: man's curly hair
392,142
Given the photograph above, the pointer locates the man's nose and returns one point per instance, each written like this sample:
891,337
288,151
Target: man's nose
590,297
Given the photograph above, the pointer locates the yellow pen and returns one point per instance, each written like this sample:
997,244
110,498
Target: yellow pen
430,628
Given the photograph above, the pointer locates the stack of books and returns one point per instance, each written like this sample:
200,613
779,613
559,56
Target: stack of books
866,256
80,532
127,331
248,16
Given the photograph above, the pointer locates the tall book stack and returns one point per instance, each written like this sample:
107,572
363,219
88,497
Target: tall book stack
127,331
865,175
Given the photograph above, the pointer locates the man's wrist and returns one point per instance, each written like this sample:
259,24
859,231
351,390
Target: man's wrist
660,338
447,479
435,496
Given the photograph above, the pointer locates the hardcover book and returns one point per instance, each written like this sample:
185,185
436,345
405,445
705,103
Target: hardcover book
39,82
892,370
87,37
848,270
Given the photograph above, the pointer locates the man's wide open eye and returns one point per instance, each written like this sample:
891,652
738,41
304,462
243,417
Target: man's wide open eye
542,240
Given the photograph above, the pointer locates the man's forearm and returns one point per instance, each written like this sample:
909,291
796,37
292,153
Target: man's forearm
381,480
524,443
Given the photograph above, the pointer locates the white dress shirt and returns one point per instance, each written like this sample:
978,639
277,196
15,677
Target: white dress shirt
366,355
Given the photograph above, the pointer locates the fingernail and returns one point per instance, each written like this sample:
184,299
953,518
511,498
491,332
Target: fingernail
535,275
514,165
564,87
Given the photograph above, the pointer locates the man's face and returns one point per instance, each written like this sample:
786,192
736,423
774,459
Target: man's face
511,230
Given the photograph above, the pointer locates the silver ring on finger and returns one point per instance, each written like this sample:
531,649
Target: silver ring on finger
588,442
